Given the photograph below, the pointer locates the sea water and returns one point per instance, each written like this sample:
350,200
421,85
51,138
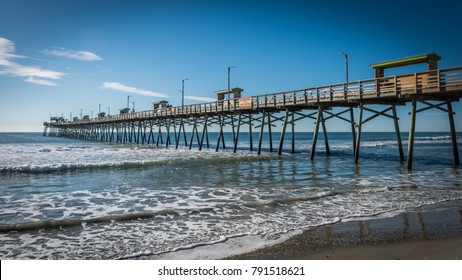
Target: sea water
74,199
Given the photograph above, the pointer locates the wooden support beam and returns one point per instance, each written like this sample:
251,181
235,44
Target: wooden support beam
433,106
316,131
151,135
139,132
112,133
204,130
177,138
168,139
260,138
293,131
377,113
125,133
184,134
358,136
270,135
337,115
159,135
207,137
236,139
250,133
222,123
283,132
326,140
410,149
223,133
232,126
192,133
398,133
453,135
353,129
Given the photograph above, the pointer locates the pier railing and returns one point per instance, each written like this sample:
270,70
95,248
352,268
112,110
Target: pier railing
439,81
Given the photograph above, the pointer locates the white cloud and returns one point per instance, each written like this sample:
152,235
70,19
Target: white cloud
198,98
42,82
7,51
34,74
78,55
128,89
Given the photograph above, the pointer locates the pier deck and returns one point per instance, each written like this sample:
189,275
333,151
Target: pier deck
442,86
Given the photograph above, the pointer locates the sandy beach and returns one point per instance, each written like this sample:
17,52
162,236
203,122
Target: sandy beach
429,232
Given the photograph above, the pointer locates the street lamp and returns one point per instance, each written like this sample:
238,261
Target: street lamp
229,81
346,64
182,91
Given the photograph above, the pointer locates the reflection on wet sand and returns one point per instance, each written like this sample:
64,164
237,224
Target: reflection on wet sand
423,224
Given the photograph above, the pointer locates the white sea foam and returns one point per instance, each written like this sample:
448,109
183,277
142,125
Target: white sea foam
209,199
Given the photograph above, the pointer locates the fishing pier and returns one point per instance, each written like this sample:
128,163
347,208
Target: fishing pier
189,124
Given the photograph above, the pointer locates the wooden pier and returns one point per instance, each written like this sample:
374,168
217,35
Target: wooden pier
190,124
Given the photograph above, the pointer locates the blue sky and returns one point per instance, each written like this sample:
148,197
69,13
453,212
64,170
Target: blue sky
60,57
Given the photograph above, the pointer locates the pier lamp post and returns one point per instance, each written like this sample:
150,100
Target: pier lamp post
133,103
229,81
353,131
128,101
346,64
182,91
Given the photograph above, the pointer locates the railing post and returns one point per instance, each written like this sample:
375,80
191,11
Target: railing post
345,91
395,80
439,80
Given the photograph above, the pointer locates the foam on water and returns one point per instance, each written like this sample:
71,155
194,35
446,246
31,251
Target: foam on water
78,200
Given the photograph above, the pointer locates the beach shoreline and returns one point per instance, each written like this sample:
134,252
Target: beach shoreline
428,232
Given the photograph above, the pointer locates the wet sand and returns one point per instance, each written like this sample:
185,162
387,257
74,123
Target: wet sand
443,249
429,232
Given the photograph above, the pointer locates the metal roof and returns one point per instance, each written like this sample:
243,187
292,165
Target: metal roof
406,61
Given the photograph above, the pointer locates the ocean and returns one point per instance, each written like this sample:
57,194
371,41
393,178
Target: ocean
75,199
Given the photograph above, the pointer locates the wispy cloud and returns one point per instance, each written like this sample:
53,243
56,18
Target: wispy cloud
72,54
33,74
199,98
42,82
129,89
